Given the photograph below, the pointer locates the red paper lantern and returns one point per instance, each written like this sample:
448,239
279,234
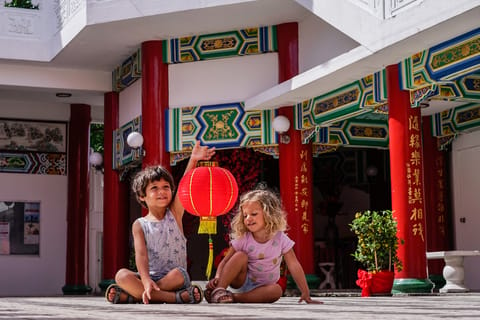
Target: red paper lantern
208,190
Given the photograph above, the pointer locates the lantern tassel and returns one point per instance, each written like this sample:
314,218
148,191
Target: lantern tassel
208,225
208,271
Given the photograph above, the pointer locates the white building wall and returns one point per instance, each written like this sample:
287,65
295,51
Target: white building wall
319,42
221,81
130,103
44,274
95,233
466,186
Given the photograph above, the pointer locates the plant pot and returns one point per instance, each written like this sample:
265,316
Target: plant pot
378,283
382,283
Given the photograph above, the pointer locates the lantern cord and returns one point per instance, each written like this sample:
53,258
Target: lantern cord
208,271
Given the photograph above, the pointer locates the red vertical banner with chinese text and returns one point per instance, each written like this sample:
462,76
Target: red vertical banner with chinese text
436,197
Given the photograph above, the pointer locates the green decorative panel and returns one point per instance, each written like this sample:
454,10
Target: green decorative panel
455,58
33,163
450,122
123,155
222,126
346,102
373,134
467,116
128,72
450,60
220,45
470,86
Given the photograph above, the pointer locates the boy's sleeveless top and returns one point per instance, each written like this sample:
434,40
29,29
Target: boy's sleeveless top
166,245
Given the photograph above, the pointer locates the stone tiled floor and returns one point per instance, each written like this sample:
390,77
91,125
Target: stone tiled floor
438,306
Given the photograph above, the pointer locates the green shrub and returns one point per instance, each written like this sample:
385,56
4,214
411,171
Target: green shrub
377,244
24,4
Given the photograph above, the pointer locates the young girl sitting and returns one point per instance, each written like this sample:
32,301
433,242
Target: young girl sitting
160,245
252,265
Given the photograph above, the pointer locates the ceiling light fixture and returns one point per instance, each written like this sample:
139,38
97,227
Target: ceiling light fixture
63,94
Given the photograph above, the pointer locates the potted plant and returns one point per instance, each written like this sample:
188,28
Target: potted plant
376,250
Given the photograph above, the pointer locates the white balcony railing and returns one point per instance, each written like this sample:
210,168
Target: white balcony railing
385,9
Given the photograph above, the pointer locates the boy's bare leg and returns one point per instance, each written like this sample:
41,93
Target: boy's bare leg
129,281
172,281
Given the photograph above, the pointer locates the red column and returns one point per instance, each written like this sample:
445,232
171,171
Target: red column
295,160
115,201
436,197
154,104
78,201
408,205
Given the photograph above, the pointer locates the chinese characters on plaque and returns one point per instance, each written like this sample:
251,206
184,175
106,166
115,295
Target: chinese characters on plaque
301,203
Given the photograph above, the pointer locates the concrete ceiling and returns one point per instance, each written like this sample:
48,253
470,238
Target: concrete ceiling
104,46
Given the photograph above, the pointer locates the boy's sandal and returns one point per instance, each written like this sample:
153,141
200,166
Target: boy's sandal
221,295
191,294
118,295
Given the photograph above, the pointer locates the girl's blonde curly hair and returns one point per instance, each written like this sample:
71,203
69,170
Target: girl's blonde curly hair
273,212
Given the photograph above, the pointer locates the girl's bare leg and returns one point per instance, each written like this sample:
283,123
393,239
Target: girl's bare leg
264,294
234,272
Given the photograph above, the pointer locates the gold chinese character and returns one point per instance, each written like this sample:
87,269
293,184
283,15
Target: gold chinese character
416,177
413,123
304,204
303,167
441,219
414,195
415,158
304,179
304,192
416,214
414,141
303,154
305,227
418,230
304,216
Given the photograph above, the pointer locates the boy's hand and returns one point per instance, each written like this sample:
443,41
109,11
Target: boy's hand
202,152
147,293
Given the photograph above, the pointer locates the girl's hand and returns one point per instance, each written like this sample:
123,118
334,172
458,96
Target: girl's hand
309,300
212,284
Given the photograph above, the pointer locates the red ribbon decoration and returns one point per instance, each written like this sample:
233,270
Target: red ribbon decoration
364,281
380,282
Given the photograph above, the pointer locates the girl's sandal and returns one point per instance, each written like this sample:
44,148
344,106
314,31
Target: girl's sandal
221,295
208,295
191,294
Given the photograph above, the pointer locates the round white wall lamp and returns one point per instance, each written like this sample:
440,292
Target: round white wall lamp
95,159
281,124
135,140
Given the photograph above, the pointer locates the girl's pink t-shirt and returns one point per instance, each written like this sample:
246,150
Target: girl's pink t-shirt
264,259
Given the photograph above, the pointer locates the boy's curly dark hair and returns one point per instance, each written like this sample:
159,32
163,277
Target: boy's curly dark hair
147,175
